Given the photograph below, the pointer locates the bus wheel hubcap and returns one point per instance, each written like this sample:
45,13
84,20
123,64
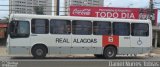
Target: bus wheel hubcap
110,53
39,52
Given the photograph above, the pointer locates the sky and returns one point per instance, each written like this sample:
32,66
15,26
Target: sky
109,3
127,3
4,13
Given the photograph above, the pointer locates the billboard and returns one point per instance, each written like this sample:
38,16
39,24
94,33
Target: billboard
3,25
112,12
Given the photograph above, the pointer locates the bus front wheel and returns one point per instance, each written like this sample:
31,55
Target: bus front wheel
109,52
39,52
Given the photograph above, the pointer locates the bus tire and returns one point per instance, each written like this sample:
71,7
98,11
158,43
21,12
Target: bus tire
98,55
109,52
39,52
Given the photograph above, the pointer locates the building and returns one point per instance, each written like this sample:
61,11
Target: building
98,3
3,32
27,6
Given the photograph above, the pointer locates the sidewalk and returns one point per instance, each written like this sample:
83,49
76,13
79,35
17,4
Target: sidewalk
156,52
3,51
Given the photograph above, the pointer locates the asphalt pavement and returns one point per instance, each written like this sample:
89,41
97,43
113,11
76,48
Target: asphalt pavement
141,60
76,61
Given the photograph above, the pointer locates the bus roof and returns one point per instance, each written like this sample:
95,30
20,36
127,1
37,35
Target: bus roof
30,16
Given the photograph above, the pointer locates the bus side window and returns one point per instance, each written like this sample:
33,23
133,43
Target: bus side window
40,26
140,29
121,28
19,29
60,26
81,27
101,28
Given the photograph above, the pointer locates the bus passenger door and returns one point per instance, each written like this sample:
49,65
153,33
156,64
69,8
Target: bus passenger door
19,42
140,38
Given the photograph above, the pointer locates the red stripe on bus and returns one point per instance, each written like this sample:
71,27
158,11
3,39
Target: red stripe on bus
110,40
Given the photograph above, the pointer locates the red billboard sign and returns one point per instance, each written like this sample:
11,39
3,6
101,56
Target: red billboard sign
3,25
112,12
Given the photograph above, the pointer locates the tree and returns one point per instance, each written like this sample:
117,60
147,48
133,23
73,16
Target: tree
6,19
39,10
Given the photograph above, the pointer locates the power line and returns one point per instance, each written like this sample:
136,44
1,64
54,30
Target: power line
31,6
32,11
4,0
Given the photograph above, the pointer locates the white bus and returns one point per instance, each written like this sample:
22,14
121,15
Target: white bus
42,35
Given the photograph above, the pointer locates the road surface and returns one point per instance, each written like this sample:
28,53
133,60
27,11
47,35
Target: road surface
76,61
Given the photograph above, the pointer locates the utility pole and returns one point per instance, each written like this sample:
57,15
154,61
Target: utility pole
152,15
152,12
57,7
10,7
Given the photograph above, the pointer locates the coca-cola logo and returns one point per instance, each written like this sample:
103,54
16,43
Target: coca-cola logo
144,16
81,12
